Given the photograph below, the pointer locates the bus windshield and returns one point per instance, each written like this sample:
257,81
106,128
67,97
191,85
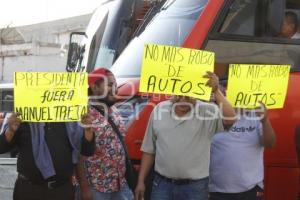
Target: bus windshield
170,26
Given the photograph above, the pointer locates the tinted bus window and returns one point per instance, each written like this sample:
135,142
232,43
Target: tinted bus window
170,26
243,36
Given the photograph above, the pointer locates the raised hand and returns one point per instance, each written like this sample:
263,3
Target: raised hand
213,81
14,122
87,124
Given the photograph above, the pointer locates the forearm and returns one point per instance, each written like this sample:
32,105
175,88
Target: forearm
226,108
147,163
88,145
9,135
80,173
6,141
269,137
88,135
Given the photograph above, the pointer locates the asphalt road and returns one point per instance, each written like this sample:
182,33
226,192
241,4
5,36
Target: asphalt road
8,175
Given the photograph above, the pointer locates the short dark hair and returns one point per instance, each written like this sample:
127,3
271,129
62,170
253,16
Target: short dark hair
292,18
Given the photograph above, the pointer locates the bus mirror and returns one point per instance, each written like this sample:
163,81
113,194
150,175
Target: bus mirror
75,52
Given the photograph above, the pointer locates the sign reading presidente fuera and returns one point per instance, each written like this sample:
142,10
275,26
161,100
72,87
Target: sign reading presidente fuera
175,70
50,97
250,84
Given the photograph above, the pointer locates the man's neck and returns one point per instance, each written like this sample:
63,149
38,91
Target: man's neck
180,113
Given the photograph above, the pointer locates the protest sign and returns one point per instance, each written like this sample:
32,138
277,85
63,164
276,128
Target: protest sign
176,70
249,84
50,97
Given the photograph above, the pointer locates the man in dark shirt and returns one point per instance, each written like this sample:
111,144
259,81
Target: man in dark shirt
46,163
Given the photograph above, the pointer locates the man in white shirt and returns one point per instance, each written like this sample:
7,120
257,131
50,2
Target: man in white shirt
236,167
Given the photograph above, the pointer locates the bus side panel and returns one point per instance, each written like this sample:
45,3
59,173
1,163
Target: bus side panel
281,183
281,165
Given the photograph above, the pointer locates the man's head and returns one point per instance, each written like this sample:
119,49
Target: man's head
290,25
183,104
102,86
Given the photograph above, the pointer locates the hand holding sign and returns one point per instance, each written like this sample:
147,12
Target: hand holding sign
86,122
213,81
262,112
13,122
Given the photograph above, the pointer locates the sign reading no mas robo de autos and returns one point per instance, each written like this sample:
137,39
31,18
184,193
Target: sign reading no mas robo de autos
175,70
50,97
249,84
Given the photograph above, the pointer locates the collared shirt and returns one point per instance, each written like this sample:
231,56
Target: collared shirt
106,168
182,145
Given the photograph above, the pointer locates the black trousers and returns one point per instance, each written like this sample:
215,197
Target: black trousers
24,190
253,194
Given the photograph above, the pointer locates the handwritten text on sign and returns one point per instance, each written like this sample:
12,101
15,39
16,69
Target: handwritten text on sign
174,70
50,97
250,84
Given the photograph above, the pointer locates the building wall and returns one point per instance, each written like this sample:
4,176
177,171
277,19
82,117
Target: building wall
31,57
44,47
31,63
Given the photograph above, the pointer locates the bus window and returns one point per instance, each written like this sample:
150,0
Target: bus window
244,36
240,19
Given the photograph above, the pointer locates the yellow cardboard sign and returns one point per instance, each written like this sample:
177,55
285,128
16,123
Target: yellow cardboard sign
50,97
250,84
175,70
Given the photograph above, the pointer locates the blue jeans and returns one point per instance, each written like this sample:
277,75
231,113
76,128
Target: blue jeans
165,190
124,194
